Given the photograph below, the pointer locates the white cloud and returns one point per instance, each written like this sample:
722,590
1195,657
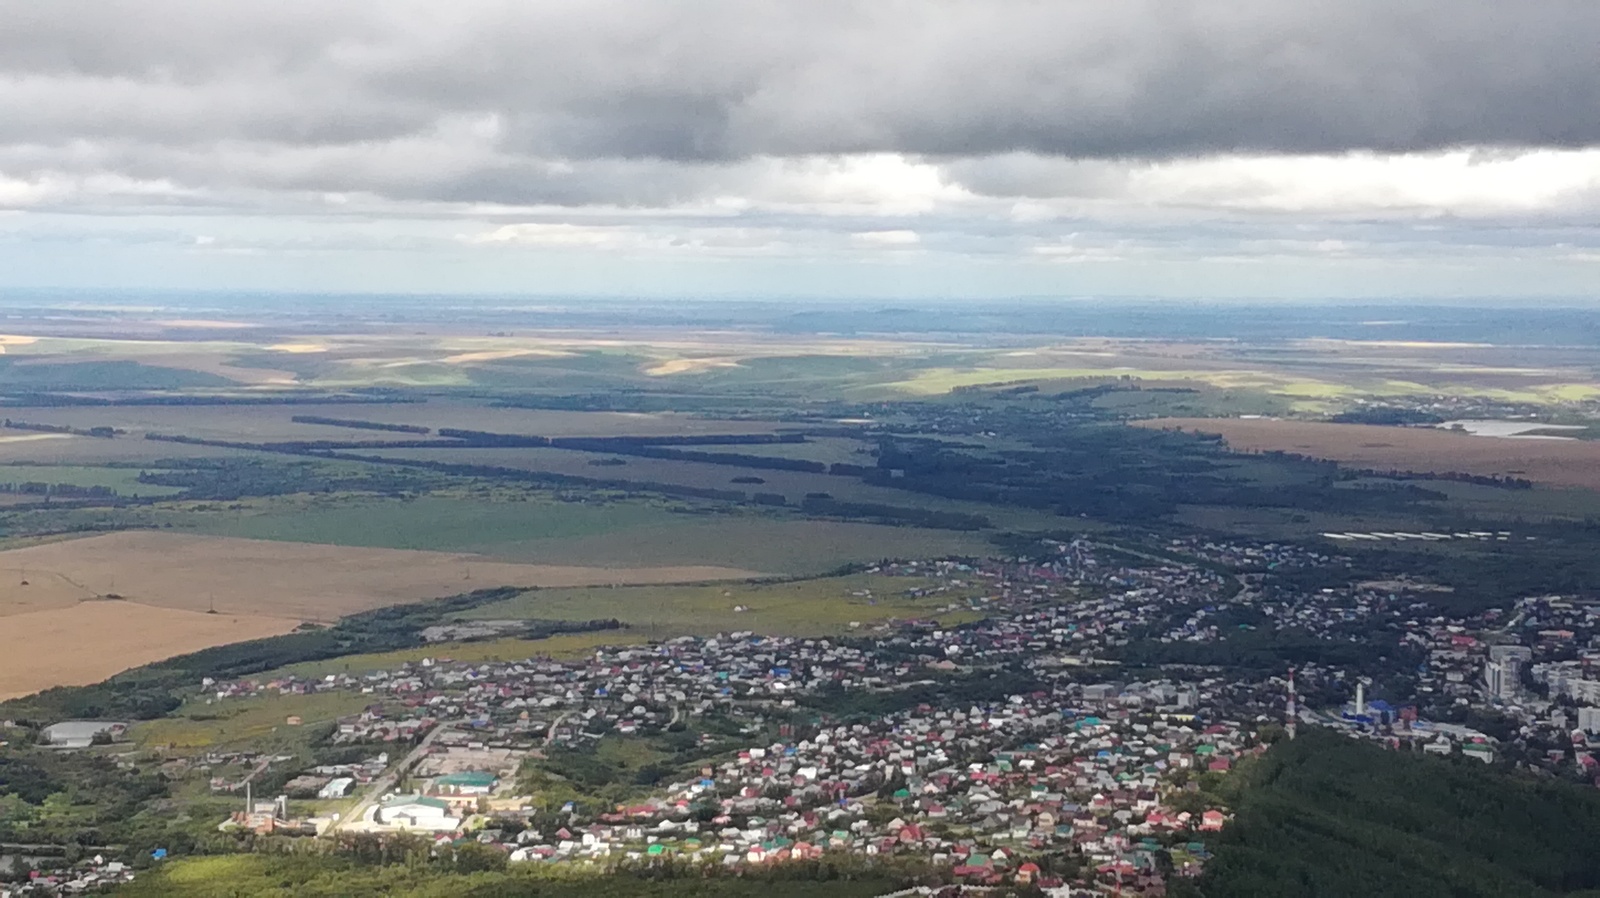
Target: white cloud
1461,183
563,235
897,238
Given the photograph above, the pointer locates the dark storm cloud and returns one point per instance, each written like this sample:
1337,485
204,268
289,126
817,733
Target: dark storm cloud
717,80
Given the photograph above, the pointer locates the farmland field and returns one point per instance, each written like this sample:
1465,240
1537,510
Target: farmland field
773,545
1574,463
198,724
599,533
793,485
125,481
828,450
281,540
822,606
66,449
437,523
132,598
285,580
89,641
272,423
801,608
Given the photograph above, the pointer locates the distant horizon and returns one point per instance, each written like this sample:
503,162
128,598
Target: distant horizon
1013,321
879,302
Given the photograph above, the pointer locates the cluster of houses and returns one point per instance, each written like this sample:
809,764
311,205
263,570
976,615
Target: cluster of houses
329,782
981,789
1256,556
1069,760
1102,770
93,876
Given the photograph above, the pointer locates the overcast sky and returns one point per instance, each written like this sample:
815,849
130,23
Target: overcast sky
1358,148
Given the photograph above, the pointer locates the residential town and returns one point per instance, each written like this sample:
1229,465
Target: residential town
1036,747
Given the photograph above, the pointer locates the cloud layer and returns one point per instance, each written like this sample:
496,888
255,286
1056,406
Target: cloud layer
982,128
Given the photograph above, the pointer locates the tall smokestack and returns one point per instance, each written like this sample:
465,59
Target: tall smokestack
1361,698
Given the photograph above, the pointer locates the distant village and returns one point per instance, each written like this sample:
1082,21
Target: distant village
1099,777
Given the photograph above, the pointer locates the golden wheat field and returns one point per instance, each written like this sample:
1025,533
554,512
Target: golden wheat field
77,611
89,641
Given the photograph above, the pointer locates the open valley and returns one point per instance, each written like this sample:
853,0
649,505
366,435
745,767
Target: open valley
914,607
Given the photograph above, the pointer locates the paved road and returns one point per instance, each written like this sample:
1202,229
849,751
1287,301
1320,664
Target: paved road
550,733
385,783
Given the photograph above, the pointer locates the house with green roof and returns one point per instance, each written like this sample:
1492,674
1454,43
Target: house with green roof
469,783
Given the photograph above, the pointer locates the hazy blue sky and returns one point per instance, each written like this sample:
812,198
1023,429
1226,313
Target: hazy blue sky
1361,148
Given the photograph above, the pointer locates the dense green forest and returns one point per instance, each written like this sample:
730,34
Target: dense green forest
1324,816
1124,474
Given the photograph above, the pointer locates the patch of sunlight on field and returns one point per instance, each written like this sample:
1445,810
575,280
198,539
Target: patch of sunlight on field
107,346
1570,392
935,381
1313,407
1404,388
414,372
689,366
497,355
1314,389
298,348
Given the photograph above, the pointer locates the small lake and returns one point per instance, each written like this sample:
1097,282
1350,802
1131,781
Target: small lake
1521,430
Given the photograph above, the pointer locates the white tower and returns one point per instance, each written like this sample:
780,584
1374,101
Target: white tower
1291,713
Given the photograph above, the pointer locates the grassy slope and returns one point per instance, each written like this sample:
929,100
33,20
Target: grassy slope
430,522
823,606
101,375
257,722
802,608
